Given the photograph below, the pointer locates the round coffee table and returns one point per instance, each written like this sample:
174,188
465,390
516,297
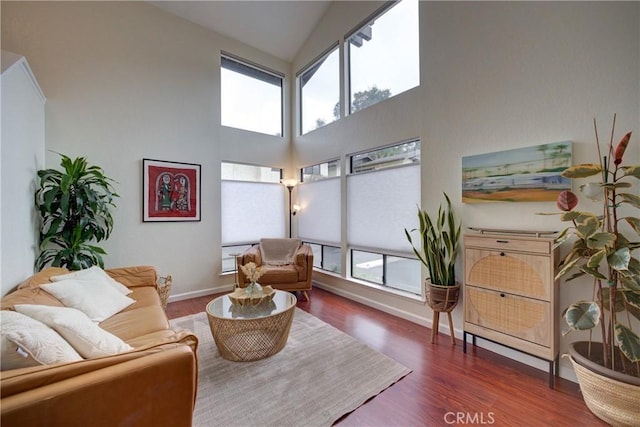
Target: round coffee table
246,333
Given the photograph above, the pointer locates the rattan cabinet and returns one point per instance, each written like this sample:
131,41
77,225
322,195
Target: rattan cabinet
510,295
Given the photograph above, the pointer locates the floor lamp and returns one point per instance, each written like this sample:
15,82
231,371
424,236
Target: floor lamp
290,184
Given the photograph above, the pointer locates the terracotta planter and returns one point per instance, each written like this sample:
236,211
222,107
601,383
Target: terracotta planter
442,298
611,396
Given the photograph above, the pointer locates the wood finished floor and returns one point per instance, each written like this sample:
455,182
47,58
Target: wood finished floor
479,388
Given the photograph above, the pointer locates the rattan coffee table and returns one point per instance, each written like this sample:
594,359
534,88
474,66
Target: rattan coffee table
246,333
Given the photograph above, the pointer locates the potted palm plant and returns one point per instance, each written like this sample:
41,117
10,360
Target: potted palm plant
603,246
75,210
439,239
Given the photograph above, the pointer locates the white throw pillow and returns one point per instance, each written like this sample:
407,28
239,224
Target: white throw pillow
94,299
89,339
94,273
28,342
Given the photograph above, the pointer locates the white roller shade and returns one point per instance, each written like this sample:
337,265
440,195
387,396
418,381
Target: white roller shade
251,210
380,205
319,218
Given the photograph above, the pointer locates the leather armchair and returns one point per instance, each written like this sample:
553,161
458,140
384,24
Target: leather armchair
293,276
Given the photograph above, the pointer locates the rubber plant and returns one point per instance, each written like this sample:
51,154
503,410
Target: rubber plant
603,249
440,243
75,211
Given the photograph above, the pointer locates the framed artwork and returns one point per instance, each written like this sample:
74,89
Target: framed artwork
171,191
530,174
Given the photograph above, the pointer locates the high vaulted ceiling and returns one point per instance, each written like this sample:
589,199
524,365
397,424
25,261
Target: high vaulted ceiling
277,27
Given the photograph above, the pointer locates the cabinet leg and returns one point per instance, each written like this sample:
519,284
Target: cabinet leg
464,341
451,331
434,327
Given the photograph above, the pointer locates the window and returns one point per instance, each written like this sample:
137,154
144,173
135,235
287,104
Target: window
383,192
383,55
319,219
252,207
251,97
395,272
326,257
321,171
396,155
319,91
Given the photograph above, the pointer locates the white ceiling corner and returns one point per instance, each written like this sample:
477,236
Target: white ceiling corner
279,28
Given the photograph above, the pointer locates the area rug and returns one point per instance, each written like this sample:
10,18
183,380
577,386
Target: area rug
319,376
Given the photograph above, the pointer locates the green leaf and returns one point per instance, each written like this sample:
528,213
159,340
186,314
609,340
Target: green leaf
601,240
629,342
570,216
616,185
619,260
582,316
634,223
596,259
631,297
582,171
588,226
619,303
632,199
631,171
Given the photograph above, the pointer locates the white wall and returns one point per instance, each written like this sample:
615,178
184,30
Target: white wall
22,154
494,76
127,81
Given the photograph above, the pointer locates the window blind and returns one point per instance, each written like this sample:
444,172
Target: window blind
380,205
250,211
319,218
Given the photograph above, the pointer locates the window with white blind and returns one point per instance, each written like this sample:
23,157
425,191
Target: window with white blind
252,207
319,220
381,203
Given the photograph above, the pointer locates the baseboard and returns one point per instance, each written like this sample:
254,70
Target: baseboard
200,293
379,306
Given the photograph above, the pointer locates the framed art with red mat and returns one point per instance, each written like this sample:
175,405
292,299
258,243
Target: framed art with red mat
171,191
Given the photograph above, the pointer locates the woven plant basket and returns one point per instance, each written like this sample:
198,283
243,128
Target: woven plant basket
164,287
614,402
442,298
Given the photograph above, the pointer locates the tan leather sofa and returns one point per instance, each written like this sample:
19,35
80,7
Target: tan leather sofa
294,276
153,385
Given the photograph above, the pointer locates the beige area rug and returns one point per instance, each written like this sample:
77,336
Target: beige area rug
319,376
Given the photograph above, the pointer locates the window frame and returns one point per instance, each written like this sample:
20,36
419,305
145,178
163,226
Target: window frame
316,61
252,69
347,109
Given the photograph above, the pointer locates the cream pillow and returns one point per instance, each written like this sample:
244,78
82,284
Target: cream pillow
28,342
89,339
94,273
94,299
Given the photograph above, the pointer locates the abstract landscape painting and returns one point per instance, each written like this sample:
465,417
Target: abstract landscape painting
530,174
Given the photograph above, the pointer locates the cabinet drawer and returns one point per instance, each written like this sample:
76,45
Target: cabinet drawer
515,273
506,243
519,317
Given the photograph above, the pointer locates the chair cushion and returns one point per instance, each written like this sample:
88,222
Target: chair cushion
278,274
278,251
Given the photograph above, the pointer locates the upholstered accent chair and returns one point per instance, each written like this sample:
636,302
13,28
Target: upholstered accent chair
287,265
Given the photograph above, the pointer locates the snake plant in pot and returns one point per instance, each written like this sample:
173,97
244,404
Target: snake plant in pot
75,211
603,253
439,238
